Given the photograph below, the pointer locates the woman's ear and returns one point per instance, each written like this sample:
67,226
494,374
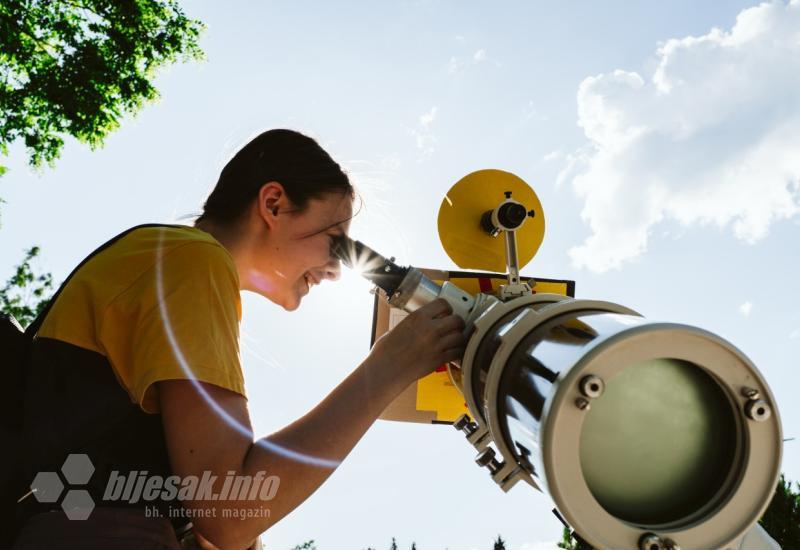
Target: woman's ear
271,200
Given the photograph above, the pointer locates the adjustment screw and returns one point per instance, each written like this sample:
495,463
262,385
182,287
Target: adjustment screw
464,424
757,410
583,404
592,386
531,213
751,393
507,194
485,458
461,421
651,541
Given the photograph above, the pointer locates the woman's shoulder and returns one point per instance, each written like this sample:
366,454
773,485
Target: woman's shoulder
166,238
172,246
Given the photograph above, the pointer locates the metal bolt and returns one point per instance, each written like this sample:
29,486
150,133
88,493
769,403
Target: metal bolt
507,194
486,458
757,410
751,393
592,386
651,541
531,213
582,404
464,424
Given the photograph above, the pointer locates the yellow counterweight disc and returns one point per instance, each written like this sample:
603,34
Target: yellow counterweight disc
460,232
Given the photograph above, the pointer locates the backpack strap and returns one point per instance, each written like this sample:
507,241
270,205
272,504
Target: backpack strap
33,328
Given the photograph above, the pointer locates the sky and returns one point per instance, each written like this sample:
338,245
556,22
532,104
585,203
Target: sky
660,137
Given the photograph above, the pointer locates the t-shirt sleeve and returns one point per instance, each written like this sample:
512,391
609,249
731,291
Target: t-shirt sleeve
185,327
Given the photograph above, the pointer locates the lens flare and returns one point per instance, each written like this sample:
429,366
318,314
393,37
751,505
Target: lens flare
187,370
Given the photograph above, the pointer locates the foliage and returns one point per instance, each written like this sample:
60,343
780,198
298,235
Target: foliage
782,518
26,293
307,545
567,542
76,67
499,544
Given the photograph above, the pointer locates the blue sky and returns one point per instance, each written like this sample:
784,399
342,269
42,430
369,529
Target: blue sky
662,151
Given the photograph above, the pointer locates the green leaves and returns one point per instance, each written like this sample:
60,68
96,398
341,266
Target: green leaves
782,518
77,67
26,293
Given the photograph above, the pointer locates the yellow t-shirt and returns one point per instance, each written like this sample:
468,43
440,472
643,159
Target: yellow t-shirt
162,303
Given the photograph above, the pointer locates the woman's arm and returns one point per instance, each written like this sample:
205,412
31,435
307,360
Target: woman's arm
200,439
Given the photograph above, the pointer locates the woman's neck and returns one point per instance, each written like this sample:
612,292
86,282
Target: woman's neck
232,239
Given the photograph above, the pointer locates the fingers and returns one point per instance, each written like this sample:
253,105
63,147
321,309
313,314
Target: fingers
451,340
437,308
451,323
451,354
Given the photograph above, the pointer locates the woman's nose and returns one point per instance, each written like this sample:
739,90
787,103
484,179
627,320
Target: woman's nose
333,270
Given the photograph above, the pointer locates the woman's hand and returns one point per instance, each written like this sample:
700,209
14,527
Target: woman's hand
428,338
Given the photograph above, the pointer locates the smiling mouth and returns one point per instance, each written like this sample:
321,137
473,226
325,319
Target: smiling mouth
310,280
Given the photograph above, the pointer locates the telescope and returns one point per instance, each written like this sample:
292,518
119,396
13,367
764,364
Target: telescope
646,434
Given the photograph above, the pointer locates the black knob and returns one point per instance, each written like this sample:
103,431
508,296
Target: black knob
461,422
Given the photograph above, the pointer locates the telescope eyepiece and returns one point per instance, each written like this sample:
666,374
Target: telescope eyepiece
381,271
511,215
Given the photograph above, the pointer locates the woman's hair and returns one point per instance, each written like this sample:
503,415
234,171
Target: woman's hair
296,161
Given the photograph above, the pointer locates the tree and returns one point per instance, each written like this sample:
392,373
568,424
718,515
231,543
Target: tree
567,542
26,293
782,518
307,545
499,544
394,544
76,67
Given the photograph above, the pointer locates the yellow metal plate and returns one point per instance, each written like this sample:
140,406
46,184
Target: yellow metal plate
469,246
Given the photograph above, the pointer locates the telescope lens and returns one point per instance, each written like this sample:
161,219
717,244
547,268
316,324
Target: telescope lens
659,443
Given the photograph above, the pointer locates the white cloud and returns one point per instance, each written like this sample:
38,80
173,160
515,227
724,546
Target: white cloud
530,113
427,119
539,546
746,308
455,65
709,138
424,136
552,155
459,64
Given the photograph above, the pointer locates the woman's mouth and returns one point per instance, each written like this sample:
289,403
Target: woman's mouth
310,280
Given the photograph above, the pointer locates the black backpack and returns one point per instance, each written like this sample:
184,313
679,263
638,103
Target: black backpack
15,344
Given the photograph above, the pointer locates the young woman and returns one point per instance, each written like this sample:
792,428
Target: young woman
137,363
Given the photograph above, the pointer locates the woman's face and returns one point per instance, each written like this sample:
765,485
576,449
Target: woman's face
298,242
